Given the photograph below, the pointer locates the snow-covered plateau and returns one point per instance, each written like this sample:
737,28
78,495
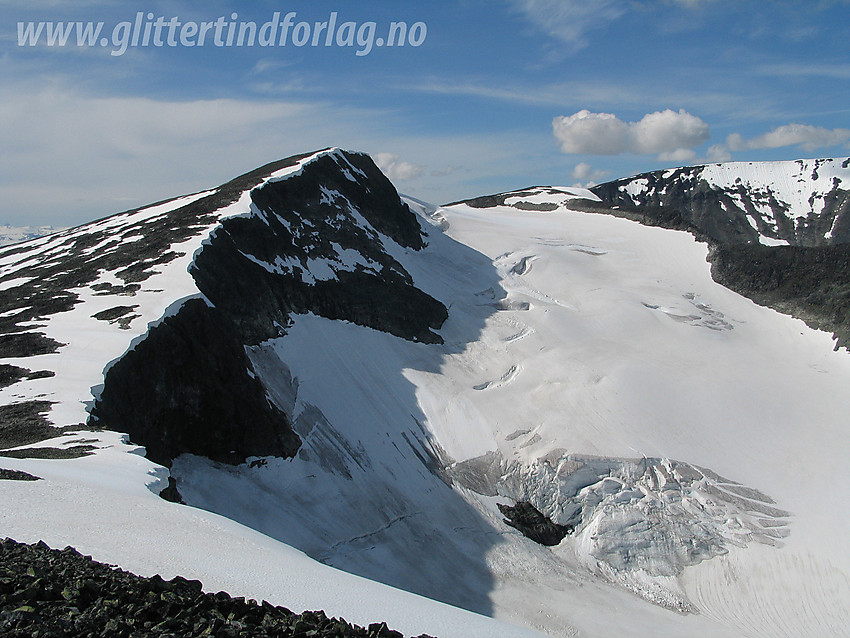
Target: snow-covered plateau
344,386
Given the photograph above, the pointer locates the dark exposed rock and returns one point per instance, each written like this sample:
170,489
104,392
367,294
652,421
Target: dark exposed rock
531,522
171,493
49,592
681,201
491,201
17,475
46,282
656,216
189,387
73,452
736,213
812,284
663,216
45,288
24,423
118,314
111,314
27,344
314,217
10,375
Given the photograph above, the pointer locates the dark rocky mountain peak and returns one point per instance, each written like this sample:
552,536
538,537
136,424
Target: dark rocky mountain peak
181,288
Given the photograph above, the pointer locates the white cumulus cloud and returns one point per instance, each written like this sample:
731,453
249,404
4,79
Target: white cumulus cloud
671,134
395,168
668,132
591,133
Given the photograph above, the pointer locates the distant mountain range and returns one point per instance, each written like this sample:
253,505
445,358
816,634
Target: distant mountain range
14,234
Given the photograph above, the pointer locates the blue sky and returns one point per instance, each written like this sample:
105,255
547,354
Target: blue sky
499,94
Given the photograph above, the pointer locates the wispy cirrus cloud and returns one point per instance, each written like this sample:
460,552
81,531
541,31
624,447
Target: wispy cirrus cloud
553,94
70,156
569,20
572,20
825,70
805,136
729,104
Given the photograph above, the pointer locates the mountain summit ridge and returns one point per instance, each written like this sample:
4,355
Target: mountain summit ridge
216,256
796,203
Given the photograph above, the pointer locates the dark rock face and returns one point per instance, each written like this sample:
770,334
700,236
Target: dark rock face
27,344
10,375
42,452
531,522
47,283
491,201
683,202
812,284
315,245
24,423
16,475
319,241
171,493
315,242
49,592
188,387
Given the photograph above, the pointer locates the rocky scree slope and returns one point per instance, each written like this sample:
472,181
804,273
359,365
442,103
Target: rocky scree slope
48,592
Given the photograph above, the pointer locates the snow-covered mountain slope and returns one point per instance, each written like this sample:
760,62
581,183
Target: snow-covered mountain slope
117,318
686,445
799,203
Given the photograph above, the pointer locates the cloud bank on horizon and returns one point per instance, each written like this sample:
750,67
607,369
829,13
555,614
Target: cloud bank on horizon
480,97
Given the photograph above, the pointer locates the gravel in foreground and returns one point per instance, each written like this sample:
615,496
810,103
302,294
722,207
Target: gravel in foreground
47,593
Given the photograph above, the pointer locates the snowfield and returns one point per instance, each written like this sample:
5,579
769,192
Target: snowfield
694,442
